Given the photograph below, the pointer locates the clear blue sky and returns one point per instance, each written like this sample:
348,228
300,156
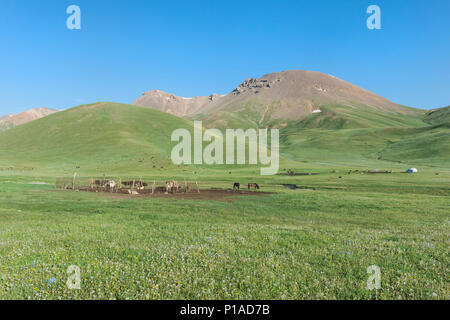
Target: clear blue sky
193,47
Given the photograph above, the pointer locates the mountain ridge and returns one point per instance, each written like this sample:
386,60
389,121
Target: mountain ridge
12,120
171,103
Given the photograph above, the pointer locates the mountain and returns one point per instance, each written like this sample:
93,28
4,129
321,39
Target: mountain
100,135
286,98
295,97
12,120
174,104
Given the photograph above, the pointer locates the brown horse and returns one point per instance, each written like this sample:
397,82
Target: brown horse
253,185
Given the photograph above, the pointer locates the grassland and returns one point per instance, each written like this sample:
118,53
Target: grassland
312,243
303,244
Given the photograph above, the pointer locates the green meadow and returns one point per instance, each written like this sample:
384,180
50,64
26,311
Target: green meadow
315,242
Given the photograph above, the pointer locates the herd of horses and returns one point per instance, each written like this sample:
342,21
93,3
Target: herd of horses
111,185
237,186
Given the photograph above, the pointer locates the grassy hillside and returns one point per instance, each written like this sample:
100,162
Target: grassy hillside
110,137
430,145
100,135
253,114
364,136
382,147
359,116
438,116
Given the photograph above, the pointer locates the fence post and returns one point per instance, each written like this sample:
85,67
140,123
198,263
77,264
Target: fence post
196,183
73,181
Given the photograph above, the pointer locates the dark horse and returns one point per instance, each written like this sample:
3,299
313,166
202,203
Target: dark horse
253,185
236,186
137,184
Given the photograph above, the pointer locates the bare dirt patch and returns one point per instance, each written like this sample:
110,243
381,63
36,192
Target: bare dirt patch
209,194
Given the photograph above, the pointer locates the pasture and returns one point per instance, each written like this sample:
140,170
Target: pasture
315,242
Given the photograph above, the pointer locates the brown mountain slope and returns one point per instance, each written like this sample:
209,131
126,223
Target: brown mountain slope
12,120
173,104
304,89
292,95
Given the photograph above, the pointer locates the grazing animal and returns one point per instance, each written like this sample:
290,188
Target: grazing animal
101,183
160,189
236,186
107,184
141,185
253,185
172,186
110,185
137,184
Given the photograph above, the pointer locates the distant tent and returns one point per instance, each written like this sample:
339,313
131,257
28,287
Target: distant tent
412,170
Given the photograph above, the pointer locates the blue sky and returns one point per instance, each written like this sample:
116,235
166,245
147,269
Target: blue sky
193,47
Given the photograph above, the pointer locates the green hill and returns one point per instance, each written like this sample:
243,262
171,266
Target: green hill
438,116
429,145
112,137
369,146
100,135
354,134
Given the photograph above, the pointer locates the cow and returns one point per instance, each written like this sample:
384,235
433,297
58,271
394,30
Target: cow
236,186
